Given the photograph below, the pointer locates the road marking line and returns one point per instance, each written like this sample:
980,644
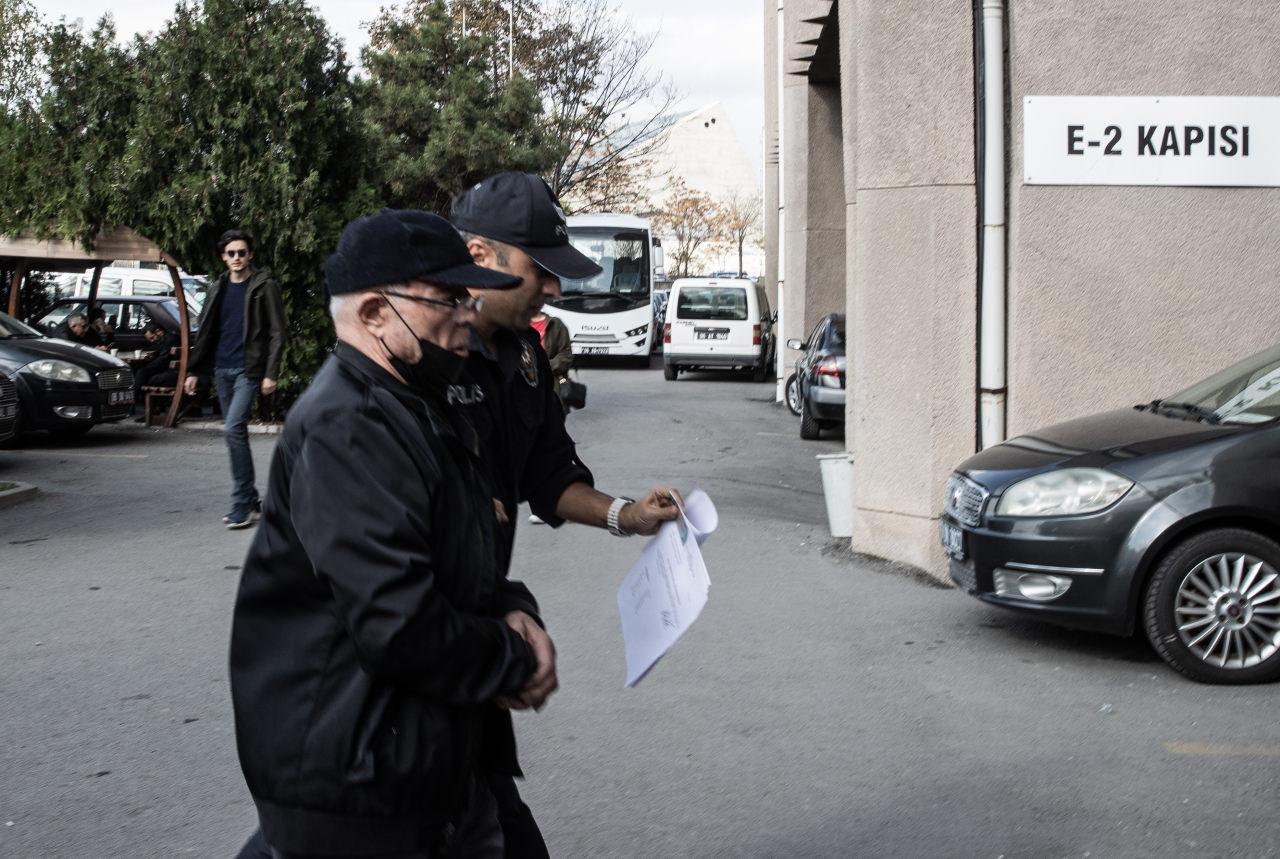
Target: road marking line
87,454
1234,750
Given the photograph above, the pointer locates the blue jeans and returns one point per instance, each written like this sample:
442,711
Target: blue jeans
235,395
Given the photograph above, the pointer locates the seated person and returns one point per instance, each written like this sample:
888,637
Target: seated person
156,372
76,329
106,327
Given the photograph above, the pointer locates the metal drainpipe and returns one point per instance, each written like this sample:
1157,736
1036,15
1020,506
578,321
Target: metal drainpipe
992,375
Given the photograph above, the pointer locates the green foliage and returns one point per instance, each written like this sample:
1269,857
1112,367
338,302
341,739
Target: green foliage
439,115
61,168
245,119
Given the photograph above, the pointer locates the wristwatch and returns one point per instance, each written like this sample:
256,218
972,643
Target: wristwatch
611,520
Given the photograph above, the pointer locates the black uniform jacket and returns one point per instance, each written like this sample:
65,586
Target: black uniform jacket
368,643
263,327
509,396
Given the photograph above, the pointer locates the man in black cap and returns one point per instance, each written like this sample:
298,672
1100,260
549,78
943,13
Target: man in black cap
513,224
377,644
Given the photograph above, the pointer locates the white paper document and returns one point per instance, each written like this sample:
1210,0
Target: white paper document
666,589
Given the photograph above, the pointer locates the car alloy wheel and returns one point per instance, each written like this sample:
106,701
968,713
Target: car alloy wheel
1213,607
793,394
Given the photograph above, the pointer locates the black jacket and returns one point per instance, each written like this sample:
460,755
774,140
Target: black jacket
509,396
368,643
263,327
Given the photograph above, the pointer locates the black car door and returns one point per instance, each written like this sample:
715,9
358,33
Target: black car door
804,368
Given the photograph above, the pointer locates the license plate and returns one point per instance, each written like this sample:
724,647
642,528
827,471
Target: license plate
595,350
952,539
710,334
115,398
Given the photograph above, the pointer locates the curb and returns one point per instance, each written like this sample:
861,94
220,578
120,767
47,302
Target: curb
216,426
17,494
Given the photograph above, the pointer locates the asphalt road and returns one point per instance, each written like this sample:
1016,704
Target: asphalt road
824,705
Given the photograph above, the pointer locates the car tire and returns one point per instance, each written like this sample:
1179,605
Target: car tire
669,372
1212,607
809,427
792,394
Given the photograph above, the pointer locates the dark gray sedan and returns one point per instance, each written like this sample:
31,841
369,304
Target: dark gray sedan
1164,517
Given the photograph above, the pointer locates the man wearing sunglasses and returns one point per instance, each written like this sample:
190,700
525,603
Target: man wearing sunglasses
514,224
240,341
377,645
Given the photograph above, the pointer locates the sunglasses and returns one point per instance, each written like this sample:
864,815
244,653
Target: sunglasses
454,304
234,254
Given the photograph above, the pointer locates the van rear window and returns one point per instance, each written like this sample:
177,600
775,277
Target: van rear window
726,303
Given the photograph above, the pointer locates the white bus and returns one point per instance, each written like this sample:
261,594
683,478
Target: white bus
612,313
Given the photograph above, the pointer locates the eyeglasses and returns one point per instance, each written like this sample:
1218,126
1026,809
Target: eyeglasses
236,253
454,304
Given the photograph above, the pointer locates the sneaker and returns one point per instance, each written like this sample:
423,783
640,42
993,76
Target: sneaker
236,521
534,520
230,517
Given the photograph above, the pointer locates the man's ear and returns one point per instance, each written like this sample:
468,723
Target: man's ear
371,310
481,254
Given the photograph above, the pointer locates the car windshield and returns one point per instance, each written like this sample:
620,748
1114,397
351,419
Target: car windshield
1244,393
11,328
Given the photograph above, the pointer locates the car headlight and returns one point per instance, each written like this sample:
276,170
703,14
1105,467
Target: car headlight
636,332
1070,492
59,371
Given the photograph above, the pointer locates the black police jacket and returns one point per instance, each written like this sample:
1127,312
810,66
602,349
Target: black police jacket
509,396
368,644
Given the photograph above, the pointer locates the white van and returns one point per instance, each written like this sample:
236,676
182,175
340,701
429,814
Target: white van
140,281
718,323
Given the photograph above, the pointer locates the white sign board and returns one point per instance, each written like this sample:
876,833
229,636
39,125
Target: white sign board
1166,140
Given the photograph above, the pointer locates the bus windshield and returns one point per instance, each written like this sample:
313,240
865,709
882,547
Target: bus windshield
623,283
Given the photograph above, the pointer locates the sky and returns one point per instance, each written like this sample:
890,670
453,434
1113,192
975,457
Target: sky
711,55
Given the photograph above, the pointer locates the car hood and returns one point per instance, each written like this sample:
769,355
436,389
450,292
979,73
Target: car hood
16,353
1094,441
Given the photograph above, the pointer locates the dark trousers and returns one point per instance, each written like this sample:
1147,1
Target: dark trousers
521,837
475,833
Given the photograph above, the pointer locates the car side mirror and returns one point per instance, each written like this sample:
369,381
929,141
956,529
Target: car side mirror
793,343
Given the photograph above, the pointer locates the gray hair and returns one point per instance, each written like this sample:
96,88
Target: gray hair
501,250
341,305
77,316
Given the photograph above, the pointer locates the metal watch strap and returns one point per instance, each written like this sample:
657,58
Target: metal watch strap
611,519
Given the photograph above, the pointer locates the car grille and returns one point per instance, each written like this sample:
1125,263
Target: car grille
115,379
595,338
964,500
8,403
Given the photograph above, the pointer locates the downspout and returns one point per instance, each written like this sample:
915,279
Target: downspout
992,375
780,355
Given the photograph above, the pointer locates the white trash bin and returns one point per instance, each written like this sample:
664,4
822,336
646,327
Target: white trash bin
837,488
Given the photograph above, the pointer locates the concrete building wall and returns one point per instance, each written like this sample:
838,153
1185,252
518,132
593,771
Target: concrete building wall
1122,294
913,289
770,197
795,184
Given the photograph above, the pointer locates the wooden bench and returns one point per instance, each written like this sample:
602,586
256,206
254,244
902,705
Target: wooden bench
157,393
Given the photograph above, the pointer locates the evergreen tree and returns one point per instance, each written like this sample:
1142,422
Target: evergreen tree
439,114
245,119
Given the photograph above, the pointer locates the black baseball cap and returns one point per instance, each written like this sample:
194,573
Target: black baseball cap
520,209
397,245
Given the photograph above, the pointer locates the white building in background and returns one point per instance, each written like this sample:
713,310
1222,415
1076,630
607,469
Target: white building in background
701,148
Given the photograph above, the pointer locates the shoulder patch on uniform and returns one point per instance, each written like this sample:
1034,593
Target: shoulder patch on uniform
528,363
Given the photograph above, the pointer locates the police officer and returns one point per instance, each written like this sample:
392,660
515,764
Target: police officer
513,223
377,646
